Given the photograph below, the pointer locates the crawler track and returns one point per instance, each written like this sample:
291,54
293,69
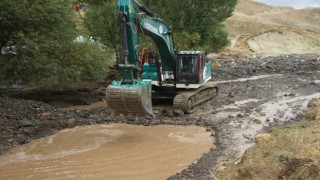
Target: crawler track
191,100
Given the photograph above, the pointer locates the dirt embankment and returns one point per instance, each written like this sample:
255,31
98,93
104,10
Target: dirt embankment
274,43
255,95
260,30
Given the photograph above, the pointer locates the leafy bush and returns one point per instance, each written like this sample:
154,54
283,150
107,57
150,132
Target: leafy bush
43,33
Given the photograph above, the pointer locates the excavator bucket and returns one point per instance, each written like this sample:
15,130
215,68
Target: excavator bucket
130,98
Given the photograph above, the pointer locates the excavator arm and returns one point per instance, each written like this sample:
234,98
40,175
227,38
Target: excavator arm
129,95
132,95
158,30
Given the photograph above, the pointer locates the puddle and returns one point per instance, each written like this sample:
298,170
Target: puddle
115,151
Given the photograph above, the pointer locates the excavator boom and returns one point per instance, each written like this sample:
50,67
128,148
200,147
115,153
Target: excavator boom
130,95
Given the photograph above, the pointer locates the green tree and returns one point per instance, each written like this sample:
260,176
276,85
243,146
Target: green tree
43,33
101,23
196,23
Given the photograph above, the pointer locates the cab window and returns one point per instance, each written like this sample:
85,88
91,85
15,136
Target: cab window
187,64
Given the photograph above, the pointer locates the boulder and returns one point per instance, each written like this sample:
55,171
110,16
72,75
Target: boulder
25,123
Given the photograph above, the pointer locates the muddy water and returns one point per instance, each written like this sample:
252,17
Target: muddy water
115,151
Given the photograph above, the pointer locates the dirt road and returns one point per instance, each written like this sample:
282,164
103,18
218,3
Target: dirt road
255,95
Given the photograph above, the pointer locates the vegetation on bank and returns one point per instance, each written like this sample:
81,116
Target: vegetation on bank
38,38
196,24
38,45
289,152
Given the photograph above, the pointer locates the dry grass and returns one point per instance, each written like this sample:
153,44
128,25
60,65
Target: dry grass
291,152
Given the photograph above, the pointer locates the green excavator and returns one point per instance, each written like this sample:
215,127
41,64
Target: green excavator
180,76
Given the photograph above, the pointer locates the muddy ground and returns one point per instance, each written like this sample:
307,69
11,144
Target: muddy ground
254,96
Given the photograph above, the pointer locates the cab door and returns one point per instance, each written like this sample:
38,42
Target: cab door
187,69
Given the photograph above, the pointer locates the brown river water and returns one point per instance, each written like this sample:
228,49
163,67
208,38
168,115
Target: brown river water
114,151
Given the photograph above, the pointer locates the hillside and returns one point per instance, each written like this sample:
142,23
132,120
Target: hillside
259,29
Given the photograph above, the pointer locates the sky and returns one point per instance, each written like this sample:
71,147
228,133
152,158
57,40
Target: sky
298,4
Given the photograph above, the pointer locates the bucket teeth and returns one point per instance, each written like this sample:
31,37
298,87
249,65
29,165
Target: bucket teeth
128,99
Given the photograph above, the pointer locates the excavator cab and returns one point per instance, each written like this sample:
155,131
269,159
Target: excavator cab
187,69
149,65
193,69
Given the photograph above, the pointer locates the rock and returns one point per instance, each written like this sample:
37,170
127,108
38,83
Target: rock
164,111
239,115
169,113
238,162
178,112
313,103
84,102
155,111
27,131
25,123
231,95
268,66
289,94
155,121
72,123
190,175
246,136
45,115
22,139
